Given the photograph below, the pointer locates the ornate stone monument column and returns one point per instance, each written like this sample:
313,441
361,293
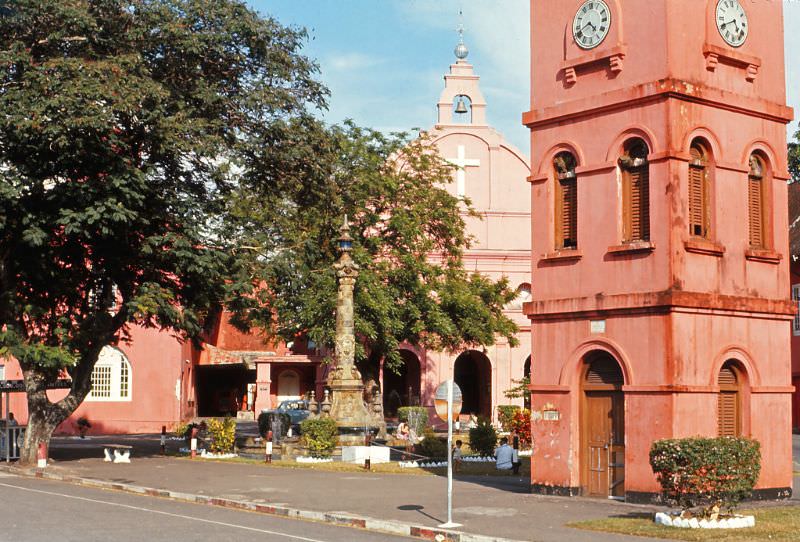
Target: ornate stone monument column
347,389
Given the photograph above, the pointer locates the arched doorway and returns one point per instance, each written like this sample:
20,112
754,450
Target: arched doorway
402,388
288,385
602,427
729,403
473,374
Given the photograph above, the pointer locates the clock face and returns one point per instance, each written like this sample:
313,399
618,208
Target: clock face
732,22
591,24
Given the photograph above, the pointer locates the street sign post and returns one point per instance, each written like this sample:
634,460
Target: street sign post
447,401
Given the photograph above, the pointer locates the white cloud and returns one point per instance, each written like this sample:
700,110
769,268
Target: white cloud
352,61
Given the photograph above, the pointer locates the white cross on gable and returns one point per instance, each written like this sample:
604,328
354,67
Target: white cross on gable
462,162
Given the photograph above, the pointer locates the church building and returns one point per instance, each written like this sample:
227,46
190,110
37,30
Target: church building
490,173
660,239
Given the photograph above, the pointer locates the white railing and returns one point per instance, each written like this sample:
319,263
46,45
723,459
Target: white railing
11,439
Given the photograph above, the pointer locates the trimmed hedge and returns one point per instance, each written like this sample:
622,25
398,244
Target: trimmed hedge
432,446
483,438
418,413
505,415
265,423
707,472
320,436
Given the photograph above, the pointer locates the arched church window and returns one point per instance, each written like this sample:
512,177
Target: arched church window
462,109
699,191
728,406
566,211
756,200
635,191
111,377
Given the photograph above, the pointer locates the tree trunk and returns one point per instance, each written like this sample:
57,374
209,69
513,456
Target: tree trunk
37,432
43,415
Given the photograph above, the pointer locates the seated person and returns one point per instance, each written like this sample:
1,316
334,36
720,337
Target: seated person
403,431
506,456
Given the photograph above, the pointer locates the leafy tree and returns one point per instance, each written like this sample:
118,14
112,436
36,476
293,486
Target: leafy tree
122,124
409,236
794,160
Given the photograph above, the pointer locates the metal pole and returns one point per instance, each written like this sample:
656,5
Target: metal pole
450,523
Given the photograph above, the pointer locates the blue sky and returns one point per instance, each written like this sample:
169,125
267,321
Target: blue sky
383,60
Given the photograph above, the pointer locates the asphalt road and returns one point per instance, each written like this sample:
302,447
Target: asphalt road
37,510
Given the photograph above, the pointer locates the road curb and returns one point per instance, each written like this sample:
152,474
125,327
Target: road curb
341,519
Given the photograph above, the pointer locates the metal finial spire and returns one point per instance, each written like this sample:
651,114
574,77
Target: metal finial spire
461,50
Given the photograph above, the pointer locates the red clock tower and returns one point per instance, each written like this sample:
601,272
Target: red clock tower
660,278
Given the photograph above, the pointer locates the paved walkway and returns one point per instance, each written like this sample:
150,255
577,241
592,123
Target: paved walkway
495,507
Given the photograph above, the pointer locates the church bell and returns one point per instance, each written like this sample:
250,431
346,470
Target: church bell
461,107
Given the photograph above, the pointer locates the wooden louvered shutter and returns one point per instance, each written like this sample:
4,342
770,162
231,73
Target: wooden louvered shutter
698,197
728,403
569,212
755,209
637,204
604,370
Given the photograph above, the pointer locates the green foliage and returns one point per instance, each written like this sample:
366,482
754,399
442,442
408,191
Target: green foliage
222,433
483,438
432,446
416,417
393,191
708,472
320,435
794,160
521,426
505,413
265,422
519,390
123,128
182,430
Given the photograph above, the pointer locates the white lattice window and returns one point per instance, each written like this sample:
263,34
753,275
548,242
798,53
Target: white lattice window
111,377
796,299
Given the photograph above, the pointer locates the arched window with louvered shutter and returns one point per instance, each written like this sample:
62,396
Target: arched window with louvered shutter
755,202
729,401
566,211
699,200
635,191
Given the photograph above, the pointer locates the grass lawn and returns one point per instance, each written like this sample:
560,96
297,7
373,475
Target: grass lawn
776,524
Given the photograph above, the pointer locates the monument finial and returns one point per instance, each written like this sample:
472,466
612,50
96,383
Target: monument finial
461,50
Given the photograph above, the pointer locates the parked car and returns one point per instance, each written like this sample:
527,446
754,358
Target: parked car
296,409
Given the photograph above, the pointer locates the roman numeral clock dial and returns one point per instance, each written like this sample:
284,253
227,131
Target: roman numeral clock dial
591,24
731,22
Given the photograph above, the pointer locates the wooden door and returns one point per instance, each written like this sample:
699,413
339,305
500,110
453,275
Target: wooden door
604,444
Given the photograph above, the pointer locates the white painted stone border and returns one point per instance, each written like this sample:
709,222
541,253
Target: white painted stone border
304,459
736,522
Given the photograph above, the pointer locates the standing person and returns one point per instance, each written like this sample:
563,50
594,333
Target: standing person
457,456
504,455
12,422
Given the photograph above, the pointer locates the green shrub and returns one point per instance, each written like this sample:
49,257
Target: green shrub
505,415
182,429
707,472
432,446
319,436
415,416
483,438
222,433
265,422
